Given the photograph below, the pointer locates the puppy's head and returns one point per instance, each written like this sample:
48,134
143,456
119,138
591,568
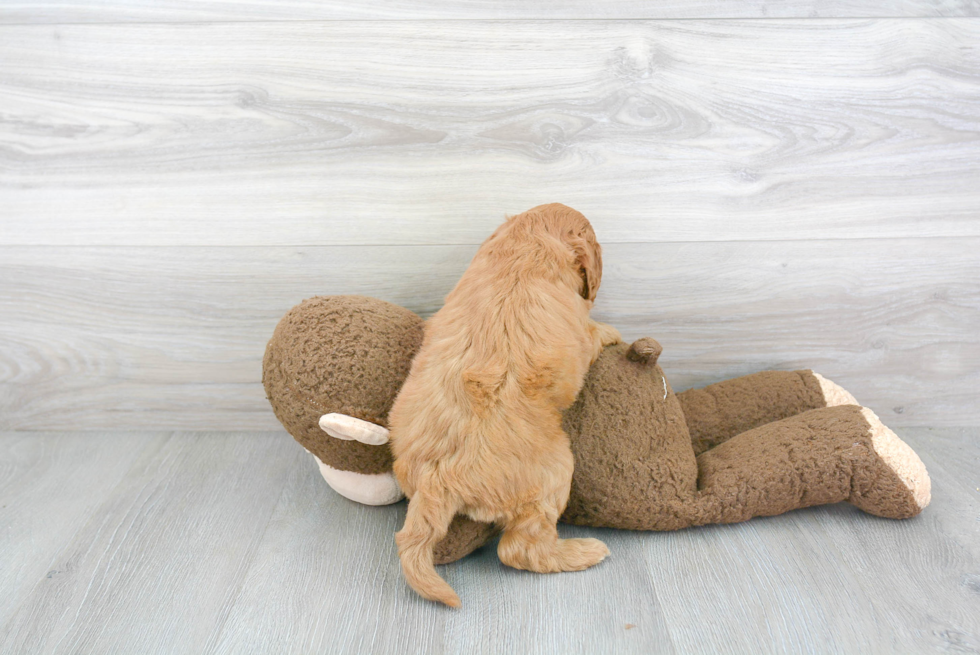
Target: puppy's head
575,233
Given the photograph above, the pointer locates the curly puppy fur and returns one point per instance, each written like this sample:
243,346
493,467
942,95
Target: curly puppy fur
476,428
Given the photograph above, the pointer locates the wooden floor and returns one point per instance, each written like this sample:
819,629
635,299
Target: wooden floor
231,543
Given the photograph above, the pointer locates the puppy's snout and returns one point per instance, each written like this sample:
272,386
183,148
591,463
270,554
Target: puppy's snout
645,350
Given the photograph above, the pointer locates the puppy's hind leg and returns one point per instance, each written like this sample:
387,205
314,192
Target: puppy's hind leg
530,542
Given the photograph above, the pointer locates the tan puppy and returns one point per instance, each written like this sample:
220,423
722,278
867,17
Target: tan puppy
476,429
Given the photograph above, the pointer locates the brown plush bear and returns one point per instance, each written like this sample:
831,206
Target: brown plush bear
645,458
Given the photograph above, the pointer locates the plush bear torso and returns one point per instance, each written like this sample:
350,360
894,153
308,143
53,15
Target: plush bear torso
634,464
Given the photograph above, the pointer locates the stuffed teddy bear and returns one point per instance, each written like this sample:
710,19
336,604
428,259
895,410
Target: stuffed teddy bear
645,457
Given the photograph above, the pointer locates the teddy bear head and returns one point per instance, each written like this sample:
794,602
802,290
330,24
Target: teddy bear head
341,358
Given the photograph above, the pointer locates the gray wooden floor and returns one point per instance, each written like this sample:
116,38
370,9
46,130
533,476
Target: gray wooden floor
220,542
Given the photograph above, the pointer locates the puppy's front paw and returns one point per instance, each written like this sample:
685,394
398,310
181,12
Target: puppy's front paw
608,335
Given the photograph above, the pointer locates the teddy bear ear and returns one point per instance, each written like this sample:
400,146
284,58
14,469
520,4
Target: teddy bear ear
645,350
349,428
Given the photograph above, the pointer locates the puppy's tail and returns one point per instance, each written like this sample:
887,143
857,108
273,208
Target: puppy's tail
426,523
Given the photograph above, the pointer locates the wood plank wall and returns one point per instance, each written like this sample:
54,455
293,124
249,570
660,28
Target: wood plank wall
776,185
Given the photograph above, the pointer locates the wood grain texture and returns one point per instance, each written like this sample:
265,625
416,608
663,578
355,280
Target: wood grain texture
115,11
835,580
326,133
155,567
173,337
342,591
232,543
866,587
50,485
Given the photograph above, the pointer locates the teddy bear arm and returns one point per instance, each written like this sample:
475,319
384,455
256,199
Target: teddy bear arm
718,412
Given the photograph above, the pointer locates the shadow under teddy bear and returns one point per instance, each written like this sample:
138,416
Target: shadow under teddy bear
645,458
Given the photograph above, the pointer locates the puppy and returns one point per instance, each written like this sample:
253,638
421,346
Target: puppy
476,429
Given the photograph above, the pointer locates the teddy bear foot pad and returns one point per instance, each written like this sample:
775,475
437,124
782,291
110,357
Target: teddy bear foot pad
899,487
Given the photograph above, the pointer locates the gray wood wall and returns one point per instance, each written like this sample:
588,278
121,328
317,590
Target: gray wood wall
777,185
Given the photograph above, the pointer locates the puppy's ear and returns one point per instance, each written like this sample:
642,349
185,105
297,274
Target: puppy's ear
588,257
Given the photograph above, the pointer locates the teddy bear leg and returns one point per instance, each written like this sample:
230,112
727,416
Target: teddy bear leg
718,412
825,455
884,490
464,536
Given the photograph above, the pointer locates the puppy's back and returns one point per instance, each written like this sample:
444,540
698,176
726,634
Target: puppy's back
478,419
